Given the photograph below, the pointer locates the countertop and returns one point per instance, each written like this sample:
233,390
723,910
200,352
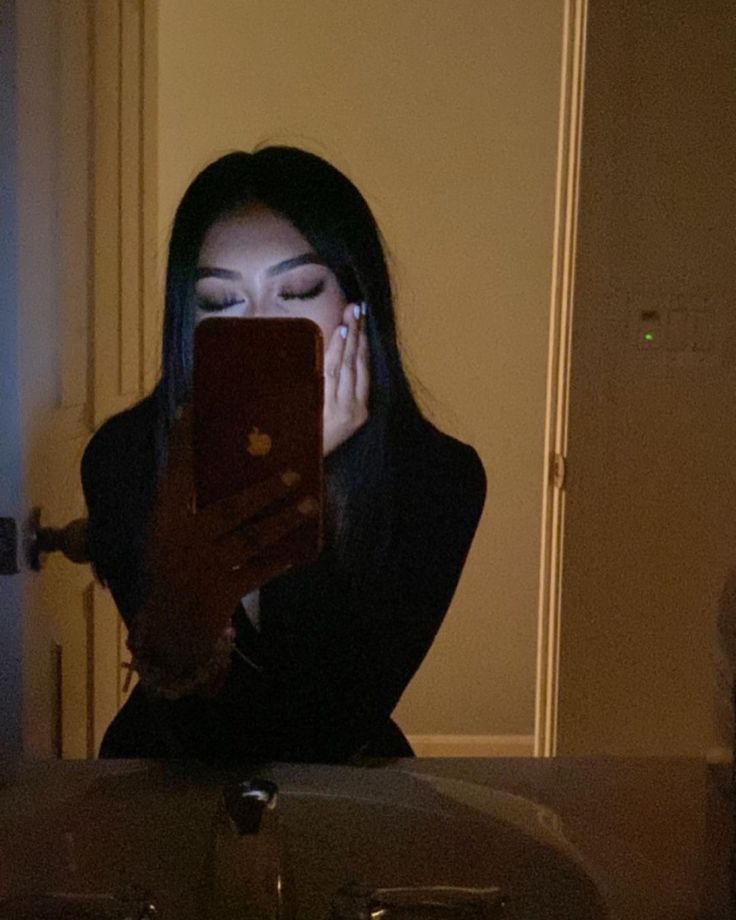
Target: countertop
661,827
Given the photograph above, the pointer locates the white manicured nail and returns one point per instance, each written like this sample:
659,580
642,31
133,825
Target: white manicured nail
344,331
356,311
364,308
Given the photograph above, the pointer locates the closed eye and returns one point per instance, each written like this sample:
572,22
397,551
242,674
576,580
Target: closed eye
304,295
214,306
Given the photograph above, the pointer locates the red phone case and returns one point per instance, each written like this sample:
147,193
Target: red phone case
258,402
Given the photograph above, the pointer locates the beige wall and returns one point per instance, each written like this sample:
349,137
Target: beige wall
444,113
651,512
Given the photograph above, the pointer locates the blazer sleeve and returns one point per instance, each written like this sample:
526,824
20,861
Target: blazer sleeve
349,666
343,649
118,476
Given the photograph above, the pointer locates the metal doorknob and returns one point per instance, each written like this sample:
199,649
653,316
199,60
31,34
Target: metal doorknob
70,540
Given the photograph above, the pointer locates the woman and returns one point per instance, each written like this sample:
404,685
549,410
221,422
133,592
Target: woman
314,660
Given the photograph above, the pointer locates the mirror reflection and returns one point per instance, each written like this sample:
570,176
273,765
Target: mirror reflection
512,238
243,651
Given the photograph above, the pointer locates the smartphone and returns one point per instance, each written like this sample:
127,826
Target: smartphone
258,404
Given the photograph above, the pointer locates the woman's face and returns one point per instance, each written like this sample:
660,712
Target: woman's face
257,264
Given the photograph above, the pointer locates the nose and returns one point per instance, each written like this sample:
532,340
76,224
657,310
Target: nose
261,308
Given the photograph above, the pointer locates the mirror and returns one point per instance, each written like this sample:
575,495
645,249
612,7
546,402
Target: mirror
449,123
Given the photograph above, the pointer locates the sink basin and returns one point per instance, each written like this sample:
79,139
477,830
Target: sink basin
398,830
137,829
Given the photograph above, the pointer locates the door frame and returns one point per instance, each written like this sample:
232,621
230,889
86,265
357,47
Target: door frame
562,293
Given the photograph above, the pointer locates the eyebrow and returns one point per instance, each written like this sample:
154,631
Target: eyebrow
206,271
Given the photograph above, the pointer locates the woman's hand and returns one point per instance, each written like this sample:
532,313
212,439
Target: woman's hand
199,564
347,379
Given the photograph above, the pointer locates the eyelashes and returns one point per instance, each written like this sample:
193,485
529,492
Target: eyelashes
304,295
215,306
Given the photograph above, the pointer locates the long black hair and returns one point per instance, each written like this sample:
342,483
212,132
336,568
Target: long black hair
332,215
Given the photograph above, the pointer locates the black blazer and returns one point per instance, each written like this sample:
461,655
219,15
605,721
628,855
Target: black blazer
332,657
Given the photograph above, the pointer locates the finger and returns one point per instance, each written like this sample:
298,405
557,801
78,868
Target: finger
362,369
263,570
236,550
259,537
225,515
346,380
352,321
333,361
259,570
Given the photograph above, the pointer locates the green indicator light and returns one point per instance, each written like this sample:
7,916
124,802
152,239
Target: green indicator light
649,336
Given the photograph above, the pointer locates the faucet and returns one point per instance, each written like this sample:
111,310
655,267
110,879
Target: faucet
246,801
247,871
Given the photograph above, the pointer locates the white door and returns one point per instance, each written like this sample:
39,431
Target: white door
78,245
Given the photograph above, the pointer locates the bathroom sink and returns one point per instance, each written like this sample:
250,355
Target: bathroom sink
403,831
144,833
